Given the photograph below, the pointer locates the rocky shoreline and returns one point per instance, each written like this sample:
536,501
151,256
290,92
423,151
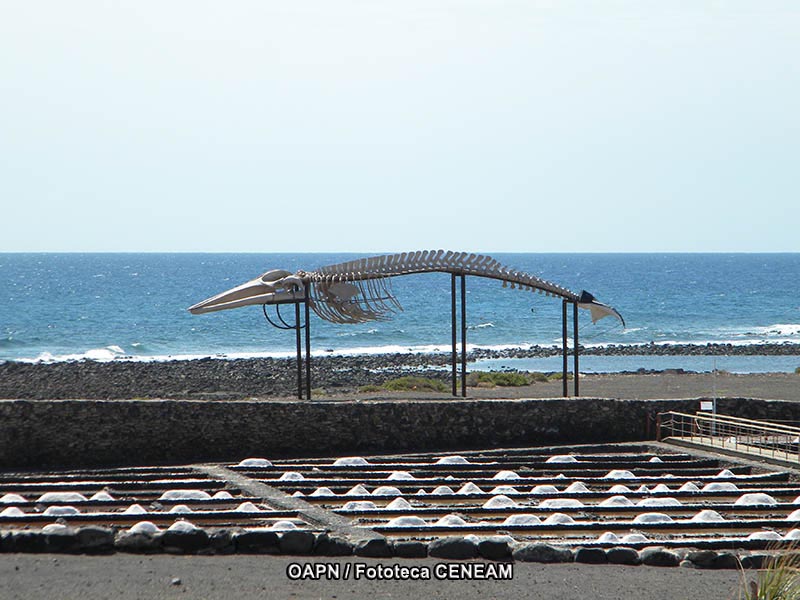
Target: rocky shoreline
219,378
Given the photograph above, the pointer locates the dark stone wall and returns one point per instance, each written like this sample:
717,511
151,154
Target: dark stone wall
71,433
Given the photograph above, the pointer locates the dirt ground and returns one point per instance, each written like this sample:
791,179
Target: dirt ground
129,577
772,386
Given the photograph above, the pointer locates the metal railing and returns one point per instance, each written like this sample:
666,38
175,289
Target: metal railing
760,438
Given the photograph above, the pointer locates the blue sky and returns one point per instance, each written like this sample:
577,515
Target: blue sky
524,126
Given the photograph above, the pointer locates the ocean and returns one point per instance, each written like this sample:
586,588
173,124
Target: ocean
57,307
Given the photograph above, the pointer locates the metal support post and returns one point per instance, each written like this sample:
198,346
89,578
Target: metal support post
576,345
453,356
565,364
299,354
308,347
464,336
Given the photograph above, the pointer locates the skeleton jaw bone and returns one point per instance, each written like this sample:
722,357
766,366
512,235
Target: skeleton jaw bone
273,287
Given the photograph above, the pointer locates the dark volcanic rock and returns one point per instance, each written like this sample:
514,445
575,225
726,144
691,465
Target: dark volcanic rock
623,556
137,542
411,549
184,542
256,542
541,553
297,542
591,556
95,540
374,548
331,545
658,557
456,547
495,548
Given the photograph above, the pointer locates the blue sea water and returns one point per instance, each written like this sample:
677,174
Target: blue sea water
106,306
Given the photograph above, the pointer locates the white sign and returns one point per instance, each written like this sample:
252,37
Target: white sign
706,405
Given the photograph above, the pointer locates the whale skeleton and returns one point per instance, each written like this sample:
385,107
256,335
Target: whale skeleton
359,291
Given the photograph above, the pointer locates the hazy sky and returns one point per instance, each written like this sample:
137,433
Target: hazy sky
343,125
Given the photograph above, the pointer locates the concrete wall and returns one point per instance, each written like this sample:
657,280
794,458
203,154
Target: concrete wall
129,432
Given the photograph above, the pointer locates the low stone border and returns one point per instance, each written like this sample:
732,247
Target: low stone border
299,542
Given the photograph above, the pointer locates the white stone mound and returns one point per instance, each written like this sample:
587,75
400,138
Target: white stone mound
576,487
400,476
452,460
443,490
102,497
707,516
544,489
359,505
180,509
451,521
407,522
386,490
504,489
725,473
182,526
559,519
291,476
222,495
357,490
616,501
619,474
771,536
283,526
134,509
500,501
794,516
323,491
688,487
57,511
661,488
562,458
11,511
185,495
652,518
720,486
255,462
11,499
506,475
55,528
755,499
664,501
655,459
469,488
522,520
794,534
609,537
350,461
145,527
53,497
398,504
561,503
619,489
247,507
298,494
634,538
